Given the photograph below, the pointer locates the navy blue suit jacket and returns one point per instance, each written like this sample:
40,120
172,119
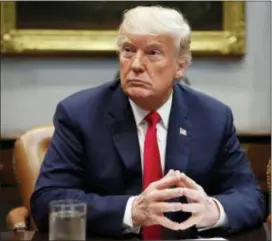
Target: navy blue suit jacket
94,156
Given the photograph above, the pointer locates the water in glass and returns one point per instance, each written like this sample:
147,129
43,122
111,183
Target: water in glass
67,225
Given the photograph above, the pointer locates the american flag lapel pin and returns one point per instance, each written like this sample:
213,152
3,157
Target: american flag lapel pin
182,131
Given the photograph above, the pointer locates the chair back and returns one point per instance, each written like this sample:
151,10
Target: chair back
28,155
268,178
268,175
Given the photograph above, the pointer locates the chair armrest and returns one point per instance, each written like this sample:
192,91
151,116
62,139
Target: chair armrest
268,220
17,219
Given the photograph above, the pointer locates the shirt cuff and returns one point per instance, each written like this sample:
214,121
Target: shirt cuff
222,221
127,219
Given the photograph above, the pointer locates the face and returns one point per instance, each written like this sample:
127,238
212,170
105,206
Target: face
148,67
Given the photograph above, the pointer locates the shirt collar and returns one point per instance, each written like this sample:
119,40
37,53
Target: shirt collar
163,111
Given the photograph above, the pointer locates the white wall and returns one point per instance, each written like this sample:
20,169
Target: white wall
31,87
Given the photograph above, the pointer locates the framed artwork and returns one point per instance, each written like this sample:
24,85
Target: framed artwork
61,27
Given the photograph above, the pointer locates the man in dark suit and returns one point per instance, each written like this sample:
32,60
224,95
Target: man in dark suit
145,152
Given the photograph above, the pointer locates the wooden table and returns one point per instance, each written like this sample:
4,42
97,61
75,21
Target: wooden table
262,233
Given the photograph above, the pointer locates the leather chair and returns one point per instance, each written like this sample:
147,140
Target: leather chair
29,151
268,178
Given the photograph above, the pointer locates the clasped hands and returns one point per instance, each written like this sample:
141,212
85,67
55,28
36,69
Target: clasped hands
149,207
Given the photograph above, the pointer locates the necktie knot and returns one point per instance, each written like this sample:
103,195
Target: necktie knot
153,118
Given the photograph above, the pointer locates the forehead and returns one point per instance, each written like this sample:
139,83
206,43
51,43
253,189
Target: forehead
142,41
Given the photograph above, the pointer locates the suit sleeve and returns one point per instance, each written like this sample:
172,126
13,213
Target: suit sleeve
61,177
235,183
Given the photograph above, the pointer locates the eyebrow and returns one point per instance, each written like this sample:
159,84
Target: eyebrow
126,42
150,45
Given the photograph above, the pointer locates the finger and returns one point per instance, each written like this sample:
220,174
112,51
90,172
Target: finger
166,194
164,207
166,182
193,220
177,173
192,194
192,207
165,222
171,172
188,181
181,184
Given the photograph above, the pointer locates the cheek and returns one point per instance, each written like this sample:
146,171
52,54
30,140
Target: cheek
124,65
124,70
164,71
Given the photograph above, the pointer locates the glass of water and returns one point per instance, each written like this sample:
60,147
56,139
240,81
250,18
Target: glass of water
67,220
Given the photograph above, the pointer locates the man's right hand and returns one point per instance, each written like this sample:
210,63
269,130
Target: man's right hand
149,207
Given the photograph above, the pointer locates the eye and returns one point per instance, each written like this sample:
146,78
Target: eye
154,52
127,51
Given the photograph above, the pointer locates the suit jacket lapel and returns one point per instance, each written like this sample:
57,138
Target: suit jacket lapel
124,131
179,133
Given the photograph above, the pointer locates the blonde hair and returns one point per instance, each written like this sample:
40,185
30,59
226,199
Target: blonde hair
157,20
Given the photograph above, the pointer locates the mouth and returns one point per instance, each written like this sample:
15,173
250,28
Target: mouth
136,82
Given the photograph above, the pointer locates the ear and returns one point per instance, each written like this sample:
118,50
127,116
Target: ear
181,68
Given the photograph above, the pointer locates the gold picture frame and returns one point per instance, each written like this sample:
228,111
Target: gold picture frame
228,42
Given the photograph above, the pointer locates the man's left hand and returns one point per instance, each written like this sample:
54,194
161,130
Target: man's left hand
205,212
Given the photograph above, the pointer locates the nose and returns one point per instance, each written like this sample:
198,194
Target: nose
137,63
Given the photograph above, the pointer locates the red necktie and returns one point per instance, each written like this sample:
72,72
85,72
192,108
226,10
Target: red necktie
152,167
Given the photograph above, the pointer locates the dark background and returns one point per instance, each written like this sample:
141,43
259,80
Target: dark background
202,15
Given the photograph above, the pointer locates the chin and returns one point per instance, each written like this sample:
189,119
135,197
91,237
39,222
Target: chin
137,93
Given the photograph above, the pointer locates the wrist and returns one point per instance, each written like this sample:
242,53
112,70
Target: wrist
211,216
214,211
136,214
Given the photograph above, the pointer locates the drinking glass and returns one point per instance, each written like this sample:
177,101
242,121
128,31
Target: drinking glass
67,220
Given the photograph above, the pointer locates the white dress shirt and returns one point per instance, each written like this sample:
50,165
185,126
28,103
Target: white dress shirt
162,128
